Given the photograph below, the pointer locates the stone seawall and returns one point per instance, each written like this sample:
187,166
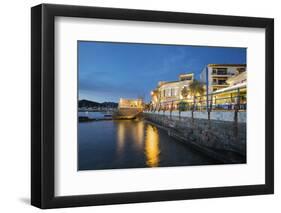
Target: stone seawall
224,140
214,115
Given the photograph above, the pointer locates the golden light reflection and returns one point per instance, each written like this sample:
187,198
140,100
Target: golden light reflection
120,137
139,133
152,146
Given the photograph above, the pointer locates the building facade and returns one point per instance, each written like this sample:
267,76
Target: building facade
223,86
167,94
130,103
215,76
237,80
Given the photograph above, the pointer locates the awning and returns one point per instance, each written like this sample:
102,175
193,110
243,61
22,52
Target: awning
227,89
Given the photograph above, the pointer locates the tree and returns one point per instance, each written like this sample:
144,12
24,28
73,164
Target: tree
182,106
196,88
155,98
184,92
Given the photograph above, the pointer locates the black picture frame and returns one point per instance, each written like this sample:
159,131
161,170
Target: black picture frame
43,111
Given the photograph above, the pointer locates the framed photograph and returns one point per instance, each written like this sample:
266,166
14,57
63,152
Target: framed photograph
139,106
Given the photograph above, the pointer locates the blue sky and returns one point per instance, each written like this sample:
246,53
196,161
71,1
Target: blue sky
108,71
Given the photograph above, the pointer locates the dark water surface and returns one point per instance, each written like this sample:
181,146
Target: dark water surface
131,144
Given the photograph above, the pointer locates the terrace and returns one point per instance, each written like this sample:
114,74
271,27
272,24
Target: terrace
232,100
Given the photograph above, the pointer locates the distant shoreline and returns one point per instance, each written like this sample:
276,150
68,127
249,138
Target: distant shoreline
96,110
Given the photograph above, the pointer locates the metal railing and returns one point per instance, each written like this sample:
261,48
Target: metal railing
204,103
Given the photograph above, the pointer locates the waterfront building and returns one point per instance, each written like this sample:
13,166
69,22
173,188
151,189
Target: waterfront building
215,76
238,80
130,103
169,93
129,108
223,85
217,79
228,96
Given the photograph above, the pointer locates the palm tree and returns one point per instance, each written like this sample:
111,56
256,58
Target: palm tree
181,107
182,104
155,97
196,88
184,92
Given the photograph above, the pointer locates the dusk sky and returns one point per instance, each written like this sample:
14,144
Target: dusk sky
109,71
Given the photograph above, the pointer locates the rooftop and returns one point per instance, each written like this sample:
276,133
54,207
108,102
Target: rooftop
226,65
186,74
160,83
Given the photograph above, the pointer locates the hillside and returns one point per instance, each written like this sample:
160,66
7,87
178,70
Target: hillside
87,103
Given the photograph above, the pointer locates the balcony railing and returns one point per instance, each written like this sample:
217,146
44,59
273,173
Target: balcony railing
201,105
215,83
204,103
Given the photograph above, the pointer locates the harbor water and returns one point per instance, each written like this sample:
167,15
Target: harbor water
118,144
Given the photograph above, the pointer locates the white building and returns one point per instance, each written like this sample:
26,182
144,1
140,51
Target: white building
171,91
216,76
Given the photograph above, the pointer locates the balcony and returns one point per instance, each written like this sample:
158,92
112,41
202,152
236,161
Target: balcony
219,83
222,74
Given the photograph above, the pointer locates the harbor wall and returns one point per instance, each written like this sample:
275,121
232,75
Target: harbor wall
221,138
214,115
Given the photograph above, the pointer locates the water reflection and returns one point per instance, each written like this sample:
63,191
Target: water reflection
120,137
129,135
152,146
131,144
139,133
